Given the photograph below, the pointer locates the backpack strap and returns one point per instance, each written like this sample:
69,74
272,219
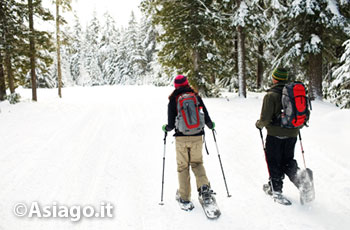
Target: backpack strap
196,98
276,90
176,100
276,120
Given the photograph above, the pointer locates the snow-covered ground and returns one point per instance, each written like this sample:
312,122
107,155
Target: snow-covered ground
105,144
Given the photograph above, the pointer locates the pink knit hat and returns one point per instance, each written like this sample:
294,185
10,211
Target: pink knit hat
180,81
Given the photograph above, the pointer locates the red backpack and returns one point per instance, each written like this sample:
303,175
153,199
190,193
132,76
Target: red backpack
295,106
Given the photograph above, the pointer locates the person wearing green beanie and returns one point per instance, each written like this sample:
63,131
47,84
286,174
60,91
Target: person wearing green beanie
280,142
280,74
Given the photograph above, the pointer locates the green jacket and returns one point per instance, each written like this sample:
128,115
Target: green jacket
270,110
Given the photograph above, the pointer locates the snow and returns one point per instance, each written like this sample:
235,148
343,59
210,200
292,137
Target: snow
210,56
105,144
275,4
340,85
332,7
315,39
240,16
314,45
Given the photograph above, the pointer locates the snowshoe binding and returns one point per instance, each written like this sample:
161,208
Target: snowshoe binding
184,204
276,195
207,200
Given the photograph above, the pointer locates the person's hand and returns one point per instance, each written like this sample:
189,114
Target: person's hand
257,125
164,128
211,125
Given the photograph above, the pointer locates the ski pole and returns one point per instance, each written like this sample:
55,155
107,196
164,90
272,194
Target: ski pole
222,169
302,149
268,169
161,199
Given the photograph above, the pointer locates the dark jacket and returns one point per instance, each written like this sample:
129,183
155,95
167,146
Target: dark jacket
270,112
172,111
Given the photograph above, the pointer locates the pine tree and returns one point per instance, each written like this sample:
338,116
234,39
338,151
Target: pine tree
65,5
240,22
2,43
38,40
42,49
222,59
311,44
135,66
32,49
66,51
76,51
148,44
92,63
15,36
2,80
45,79
187,40
257,28
340,87
108,50
122,59
10,33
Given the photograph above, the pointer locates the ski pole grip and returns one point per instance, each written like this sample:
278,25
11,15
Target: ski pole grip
165,135
214,135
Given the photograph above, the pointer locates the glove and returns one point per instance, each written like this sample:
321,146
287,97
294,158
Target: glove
212,125
257,125
164,128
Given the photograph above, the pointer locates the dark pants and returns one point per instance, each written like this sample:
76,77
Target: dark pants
280,160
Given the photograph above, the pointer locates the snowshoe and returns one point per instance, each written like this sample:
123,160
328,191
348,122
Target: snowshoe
306,186
184,204
207,200
276,196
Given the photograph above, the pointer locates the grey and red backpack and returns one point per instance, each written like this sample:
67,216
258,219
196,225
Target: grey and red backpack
190,117
295,106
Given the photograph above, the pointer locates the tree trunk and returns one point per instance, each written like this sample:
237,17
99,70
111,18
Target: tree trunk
315,76
32,50
195,63
6,44
58,44
260,67
2,80
241,59
9,72
241,63
236,53
195,59
2,74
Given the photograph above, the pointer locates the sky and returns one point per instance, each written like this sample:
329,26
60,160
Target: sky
120,10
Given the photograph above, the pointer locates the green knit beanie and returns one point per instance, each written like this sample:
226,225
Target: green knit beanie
280,74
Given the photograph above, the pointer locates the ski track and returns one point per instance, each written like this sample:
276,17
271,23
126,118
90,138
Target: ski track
105,144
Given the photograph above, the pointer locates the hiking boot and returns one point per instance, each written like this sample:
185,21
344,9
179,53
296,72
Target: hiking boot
277,195
184,204
268,190
205,193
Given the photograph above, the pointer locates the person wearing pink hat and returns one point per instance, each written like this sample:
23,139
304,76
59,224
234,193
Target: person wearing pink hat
188,146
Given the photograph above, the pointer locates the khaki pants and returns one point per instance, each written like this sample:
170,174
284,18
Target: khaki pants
189,152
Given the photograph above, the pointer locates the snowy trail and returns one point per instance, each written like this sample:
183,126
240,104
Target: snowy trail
105,144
